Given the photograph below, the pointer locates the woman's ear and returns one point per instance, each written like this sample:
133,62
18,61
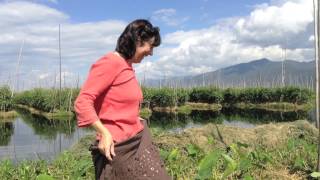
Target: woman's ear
139,43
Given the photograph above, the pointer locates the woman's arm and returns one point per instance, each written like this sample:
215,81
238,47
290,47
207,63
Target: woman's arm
106,144
100,78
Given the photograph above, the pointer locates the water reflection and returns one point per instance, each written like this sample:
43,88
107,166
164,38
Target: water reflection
6,131
34,137
245,118
46,128
260,116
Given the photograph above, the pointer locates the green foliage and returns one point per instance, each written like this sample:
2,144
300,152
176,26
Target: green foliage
48,100
169,97
173,155
68,165
164,97
315,174
182,96
207,164
147,95
6,103
231,166
44,177
51,100
193,150
248,177
238,161
263,95
206,95
6,169
25,170
303,158
296,95
181,161
231,96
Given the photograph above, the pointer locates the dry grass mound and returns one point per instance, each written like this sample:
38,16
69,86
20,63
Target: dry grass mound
219,136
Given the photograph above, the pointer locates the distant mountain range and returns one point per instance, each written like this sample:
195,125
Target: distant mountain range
262,72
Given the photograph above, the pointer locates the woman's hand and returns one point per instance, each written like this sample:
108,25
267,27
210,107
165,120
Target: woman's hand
141,119
106,146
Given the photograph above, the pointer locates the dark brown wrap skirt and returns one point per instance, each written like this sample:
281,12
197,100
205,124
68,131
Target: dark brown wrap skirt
136,159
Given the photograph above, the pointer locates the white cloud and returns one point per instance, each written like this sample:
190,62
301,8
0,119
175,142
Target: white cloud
25,14
38,25
169,17
53,1
34,1
264,33
288,24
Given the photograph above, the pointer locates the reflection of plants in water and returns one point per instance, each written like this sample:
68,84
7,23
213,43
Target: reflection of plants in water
6,131
45,127
206,116
168,120
174,120
257,116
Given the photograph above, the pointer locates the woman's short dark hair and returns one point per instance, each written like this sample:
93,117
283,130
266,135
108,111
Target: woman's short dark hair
138,31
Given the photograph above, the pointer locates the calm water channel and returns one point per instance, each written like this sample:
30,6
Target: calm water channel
34,137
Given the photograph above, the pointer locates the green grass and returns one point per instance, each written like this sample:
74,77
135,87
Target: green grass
73,164
57,115
145,113
185,163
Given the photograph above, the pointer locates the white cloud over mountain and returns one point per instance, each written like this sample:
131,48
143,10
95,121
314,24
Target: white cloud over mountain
263,33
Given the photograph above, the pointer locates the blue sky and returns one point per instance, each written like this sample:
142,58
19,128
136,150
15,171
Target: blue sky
200,13
198,36
197,13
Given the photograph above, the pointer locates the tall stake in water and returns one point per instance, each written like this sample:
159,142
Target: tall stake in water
59,68
316,40
283,66
17,70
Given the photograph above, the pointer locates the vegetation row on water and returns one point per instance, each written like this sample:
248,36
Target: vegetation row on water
53,100
169,97
48,100
6,103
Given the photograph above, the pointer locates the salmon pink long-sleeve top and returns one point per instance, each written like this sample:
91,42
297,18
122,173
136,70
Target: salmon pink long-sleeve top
112,95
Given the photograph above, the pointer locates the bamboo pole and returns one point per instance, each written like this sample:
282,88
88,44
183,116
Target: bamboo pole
17,70
282,68
316,40
59,67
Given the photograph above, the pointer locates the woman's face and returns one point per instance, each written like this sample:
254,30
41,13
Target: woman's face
142,50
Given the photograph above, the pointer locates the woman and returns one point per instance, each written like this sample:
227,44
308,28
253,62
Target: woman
109,102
